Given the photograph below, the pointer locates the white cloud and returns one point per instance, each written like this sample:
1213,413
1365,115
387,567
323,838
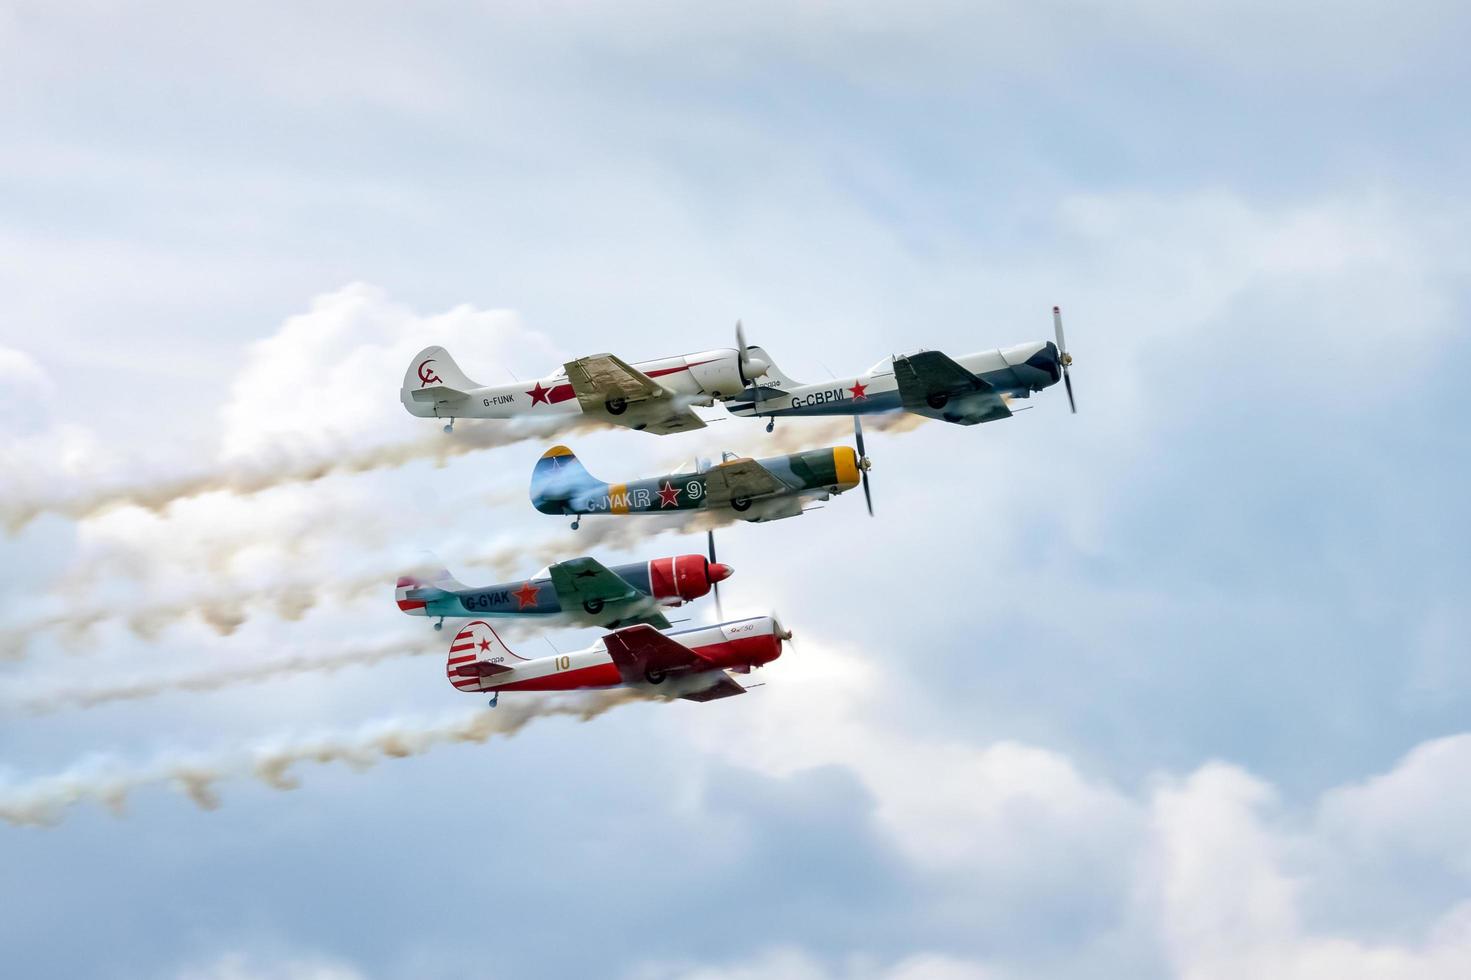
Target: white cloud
789,963
329,379
240,966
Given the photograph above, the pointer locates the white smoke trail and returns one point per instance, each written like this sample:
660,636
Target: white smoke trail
57,698
262,473
43,801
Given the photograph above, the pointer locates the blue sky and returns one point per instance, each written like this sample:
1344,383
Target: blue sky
1174,687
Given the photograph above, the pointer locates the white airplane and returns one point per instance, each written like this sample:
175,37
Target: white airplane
965,390
697,663
651,396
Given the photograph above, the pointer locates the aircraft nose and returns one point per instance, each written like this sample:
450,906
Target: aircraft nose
719,571
1049,361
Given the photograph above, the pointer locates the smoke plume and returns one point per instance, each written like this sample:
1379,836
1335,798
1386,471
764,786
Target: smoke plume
264,472
44,801
363,655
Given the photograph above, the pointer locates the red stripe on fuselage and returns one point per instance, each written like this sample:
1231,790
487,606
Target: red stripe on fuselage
564,392
596,675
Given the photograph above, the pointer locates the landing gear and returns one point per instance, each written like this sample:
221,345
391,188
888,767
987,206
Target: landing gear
616,406
577,522
439,625
740,503
937,400
593,606
771,424
494,698
655,676
449,427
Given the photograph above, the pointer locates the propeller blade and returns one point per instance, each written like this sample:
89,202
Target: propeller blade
863,463
781,630
742,360
858,435
715,586
1064,358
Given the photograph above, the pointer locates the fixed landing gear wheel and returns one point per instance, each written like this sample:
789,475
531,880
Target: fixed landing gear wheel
937,400
593,606
740,503
655,676
577,523
616,406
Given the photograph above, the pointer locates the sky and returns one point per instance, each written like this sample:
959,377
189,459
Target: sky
1175,687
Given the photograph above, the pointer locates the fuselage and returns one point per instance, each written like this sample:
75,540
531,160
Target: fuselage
739,646
698,379
1013,371
661,582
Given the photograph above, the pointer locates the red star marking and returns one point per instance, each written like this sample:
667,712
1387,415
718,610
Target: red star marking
485,644
859,390
669,496
525,596
539,394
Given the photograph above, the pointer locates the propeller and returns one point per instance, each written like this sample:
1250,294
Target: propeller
715,582
864,463
781,630
750,368
1064,358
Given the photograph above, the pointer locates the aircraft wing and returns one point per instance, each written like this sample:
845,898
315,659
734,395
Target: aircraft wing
740,478
637,650
586,580
726,687
602,378
934,385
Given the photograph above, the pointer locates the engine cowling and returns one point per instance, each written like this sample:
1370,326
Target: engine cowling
685,577
716,372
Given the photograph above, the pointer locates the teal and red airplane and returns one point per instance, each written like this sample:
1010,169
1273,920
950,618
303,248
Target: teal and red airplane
576,592
694,664
751,489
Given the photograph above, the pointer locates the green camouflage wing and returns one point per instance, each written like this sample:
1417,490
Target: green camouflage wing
935,386
584,580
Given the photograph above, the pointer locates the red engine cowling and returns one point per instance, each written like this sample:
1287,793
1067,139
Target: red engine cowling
685,577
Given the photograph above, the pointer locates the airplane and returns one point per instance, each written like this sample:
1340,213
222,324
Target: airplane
650,396
753,489
966,390
580,591
697,663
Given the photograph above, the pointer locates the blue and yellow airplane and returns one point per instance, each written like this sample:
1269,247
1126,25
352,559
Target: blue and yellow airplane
751,489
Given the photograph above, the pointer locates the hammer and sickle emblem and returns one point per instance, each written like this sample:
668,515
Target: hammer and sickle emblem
427,375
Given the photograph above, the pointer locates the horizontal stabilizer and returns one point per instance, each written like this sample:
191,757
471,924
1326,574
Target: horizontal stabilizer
437,395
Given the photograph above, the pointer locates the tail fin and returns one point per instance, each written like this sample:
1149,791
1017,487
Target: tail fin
557,478
434,378
414,592
476,655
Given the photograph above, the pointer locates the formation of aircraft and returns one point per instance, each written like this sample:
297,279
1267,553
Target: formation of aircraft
578,591
751,489
660,396
697,664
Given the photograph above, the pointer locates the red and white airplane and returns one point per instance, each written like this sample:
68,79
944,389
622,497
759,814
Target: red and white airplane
696,663
650,396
